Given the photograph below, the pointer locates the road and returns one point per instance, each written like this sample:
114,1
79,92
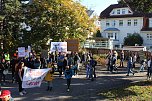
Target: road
82,89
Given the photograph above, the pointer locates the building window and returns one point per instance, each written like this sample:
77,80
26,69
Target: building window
129,11
150,22
118,11
120,22
149,36
113,12
107,24
123,11
135,22
110,35
129,22
113,23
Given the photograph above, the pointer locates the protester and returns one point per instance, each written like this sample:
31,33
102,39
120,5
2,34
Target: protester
129,66
143,65
6,96
122,59
19,77
37,63
49,76
87,69
12,66
3,71
68,75
60,64
149,70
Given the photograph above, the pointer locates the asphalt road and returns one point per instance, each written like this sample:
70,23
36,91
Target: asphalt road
82,89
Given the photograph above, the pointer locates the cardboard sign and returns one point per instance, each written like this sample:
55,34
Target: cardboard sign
73,45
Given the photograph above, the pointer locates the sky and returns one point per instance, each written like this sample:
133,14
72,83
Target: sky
98,5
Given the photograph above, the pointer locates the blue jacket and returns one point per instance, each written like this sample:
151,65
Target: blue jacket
68,73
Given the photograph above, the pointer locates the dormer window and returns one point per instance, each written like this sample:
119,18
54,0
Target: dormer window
129,11
123,11
113,12
118,11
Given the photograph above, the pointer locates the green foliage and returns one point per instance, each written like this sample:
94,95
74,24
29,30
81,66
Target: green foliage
55,19
98,34
144,6
133,39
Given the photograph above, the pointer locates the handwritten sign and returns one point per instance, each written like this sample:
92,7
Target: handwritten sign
33,77
58,46
21,51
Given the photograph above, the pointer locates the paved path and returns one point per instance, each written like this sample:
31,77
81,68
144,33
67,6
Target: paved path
81,88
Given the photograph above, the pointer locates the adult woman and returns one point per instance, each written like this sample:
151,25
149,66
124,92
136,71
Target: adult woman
19,77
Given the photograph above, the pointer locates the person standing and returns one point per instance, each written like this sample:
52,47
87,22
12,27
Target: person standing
122,58
149,64
60,64
129,66
49,76
37,63
68,75
13,62
19,77
134,60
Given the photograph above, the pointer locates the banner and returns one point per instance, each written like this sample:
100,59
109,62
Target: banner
21,51
33,77
58,46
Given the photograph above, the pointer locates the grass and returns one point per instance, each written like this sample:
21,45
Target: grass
140,91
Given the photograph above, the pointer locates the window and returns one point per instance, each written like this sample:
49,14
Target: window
129,11
149,36
123,11
107,24
120,22
135,22
150,22
110,35
118,11
129,22
113,23
113,12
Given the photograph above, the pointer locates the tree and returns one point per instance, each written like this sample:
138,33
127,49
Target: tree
133,39
144,6
56,19
45,19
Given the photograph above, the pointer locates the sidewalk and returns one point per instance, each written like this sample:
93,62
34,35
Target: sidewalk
81,88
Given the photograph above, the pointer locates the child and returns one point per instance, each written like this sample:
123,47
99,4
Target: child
49,76
68,76
6,96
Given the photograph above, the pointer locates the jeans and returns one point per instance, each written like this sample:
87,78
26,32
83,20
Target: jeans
68,83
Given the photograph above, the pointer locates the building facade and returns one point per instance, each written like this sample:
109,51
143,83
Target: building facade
119,21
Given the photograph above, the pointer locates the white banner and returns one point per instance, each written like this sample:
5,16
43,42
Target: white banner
33,77
58,46
21,51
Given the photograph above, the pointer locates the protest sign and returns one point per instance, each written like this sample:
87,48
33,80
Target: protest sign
58,46
33,77
21,51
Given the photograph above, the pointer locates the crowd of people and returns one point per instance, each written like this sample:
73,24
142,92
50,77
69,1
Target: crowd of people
132,59
67,65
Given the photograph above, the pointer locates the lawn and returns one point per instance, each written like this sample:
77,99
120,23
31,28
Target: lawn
140,91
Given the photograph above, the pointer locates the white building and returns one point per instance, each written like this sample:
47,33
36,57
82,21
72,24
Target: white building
118,21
